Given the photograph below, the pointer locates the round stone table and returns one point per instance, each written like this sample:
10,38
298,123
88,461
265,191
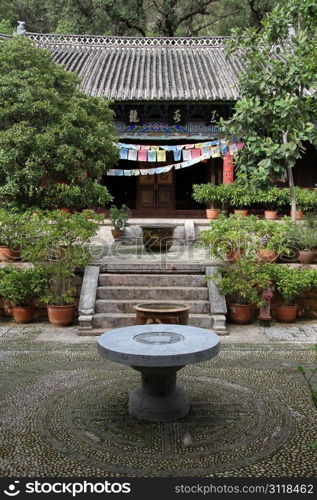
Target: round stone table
158,352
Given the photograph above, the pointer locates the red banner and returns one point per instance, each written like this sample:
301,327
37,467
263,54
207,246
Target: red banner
228,168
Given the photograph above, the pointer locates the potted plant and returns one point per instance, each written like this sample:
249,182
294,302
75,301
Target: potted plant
305,239
242,283
273,238
21,287
61,247
11,229
210,194
290,282
240,197
229,237
119,219
272,200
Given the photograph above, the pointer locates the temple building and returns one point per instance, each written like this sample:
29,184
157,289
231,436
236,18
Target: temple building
168,95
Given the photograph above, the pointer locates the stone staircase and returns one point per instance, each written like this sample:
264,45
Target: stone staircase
117,293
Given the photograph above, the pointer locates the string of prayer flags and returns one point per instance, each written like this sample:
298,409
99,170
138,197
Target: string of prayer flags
158,170
185,152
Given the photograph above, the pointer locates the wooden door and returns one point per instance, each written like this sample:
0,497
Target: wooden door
156,191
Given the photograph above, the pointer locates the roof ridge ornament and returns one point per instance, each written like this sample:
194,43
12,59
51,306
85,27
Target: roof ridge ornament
114,41
21,28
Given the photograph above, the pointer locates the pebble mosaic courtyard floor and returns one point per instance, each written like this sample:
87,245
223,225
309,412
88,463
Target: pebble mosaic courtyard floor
63,412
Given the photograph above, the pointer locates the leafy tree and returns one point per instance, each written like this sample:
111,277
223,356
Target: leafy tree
50,133
277,107
242,14
136,17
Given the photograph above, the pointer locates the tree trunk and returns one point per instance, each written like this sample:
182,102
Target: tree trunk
291,183
292,192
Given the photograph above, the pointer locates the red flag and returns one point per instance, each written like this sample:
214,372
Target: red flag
228,168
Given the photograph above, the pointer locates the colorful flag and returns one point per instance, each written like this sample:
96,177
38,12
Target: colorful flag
187,155
151,155
133,155
142,155
161,155
123,153
196,153
177,155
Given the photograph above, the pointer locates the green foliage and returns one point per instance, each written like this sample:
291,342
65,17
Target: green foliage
304,235
12,228
5,27
59,242
273,235
49,130
228,234
275,113
209,193
239,195
119,216
233,233
291,282
243,281
136,17
21,286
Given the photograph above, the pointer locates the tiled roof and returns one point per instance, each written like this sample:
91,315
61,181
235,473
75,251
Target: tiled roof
147,69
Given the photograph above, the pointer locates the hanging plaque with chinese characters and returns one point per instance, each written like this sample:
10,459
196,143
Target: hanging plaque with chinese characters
134,115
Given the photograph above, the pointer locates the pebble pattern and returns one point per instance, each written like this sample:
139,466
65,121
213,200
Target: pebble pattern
64,413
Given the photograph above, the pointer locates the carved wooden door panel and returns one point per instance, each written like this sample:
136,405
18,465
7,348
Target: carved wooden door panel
156,191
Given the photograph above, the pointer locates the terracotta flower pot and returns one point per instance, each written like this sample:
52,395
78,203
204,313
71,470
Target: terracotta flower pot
286,314
66,210
299,214
270,214
242,213
235,255
7,254
23,314
266,255
61,315
117,233
306,257
212,213
241,313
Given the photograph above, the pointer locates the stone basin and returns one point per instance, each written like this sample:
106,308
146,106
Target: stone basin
161,312
158,237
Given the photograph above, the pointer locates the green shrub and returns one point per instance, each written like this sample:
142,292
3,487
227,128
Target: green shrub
244,281
119,216
21,286
291,282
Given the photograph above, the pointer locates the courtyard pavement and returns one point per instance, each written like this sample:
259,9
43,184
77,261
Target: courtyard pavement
63,408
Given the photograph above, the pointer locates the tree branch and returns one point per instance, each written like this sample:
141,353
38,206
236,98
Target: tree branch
195,31
199,10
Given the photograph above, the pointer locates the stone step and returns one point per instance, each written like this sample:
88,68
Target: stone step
116,306
117,320
152,280
142,293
